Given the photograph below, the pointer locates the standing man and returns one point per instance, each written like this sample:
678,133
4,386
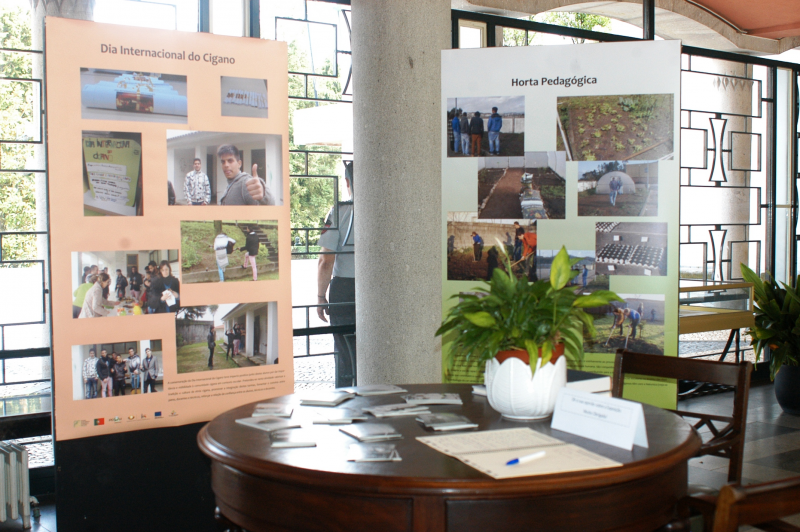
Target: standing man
456,124
149,370
221,250
251,247
90,375
243,189
494,126
529,241
212,344
476,130
336,270
612,195
477,247
585,275
230,335
518,232
465,136
122,284
134,362
196,186
104,374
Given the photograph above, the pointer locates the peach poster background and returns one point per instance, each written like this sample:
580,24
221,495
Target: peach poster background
71,45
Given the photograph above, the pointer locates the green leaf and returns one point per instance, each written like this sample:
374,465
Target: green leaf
560,269
547,352
481,319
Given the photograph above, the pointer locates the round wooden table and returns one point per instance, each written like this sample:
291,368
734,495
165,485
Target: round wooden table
318,490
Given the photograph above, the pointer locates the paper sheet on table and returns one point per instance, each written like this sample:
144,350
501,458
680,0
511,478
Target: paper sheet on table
488,451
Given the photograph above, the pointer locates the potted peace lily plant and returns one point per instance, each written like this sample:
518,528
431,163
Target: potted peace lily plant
520,329
777,327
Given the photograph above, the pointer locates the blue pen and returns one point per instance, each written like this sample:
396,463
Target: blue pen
526,458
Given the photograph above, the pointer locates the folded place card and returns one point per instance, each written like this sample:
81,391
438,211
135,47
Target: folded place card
608,420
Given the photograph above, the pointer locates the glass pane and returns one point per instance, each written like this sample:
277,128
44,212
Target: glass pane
21,112
312,46
18,210
514,37
186,11
16,27
312,199
22,247
469,37
26,336
227,17
22,284
269,9
719,205
299,239
27,369
16,64
134,13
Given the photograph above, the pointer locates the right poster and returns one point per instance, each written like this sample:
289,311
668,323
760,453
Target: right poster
574,146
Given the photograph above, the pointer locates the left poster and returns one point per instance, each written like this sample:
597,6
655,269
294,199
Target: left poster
168,177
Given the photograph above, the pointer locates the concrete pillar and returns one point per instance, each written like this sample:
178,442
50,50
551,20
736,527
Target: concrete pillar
397,115
270,329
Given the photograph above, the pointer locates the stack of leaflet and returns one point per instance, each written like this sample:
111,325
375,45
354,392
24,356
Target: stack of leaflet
382,452
268,423
397,410
417,399
272,409
334,398
372,432
290,439
376,389
445,421
343,416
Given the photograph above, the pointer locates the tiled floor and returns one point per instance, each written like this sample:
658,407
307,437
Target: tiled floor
772,441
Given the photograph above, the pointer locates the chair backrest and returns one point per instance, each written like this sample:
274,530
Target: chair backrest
758,505
728,441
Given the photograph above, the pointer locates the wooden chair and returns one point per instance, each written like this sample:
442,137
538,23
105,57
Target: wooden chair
727,441
758,505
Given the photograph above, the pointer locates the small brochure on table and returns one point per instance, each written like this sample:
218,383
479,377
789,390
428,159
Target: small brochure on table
289,439
273,409
445,421
376,389
343,416
373,452
433,399
333,398
521,452
396,410
268,423
369,432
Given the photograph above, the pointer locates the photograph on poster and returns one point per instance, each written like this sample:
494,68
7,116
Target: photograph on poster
475,247
227,336
637,325
246,97
218,251
126,95
491,126
125,283
631,248
112,173
531,187
587,280
210,168
618,188
104,370
617,128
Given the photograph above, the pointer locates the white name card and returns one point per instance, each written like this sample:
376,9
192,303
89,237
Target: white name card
608,420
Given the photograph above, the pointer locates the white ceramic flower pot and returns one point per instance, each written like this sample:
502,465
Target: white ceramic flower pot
514,393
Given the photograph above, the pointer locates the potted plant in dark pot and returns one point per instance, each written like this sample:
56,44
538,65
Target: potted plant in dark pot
520,329
777,328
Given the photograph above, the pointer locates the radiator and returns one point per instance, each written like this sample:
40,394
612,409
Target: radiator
15,490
